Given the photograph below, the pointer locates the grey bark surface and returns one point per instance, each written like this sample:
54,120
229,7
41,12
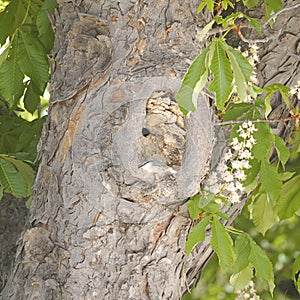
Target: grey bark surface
100,226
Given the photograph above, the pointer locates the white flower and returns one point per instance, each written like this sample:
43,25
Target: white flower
227,177
239,186
228,155
237,165
234,197
212,179
221,168
240,175
215,189
245,164
245,153
231,187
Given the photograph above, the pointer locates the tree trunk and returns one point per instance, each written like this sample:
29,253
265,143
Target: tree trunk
103,227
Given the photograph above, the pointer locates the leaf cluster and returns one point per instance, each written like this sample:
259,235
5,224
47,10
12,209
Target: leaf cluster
26,38
275,191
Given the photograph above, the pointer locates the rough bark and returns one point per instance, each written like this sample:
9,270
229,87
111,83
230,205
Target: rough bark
102,227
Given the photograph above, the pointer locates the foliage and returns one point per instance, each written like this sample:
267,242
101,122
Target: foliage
26,38
248,167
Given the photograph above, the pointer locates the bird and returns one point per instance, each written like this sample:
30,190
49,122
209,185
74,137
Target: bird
156,167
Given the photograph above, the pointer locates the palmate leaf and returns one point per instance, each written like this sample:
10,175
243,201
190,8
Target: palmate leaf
289,199
262,264
263,214
208,3
46,34
221,243
270,180
11,19
263,136
32,97
242,71
11,77
32,60
12,180
190,88
242,250
242,278
272,6
281,149
221,69
193,207
197,234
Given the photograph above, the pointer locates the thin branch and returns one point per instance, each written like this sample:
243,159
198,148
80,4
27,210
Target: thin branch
259,121
273,16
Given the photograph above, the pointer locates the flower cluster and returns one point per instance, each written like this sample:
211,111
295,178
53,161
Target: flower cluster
248,292
295,90
226,180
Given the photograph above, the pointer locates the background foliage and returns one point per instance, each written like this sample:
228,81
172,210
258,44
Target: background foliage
26,38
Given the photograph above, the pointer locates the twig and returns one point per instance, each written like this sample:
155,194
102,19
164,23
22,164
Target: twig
259,121
273,16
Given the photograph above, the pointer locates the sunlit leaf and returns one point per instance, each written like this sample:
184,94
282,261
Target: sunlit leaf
194,74
242,250
32,60
242,71
270,180
221,243
263,214
262,264
11,77
282,149
241,279
220,66
289,199
197,234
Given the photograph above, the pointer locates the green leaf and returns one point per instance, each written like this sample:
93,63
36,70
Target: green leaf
1,191
296,273
282,150
208,3
289,199
236,110
262,265
220,66
241,279
270,180
4,54
197,234
24,169
263,214
205,30
250,3
263,144
46,34
11,77
242,71
12,180
193,207
242,250
32,98
221,243
197,72
11,19
254,23
272,6
32,60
